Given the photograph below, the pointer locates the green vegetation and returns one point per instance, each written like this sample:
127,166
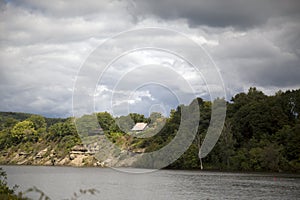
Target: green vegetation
33,134
261,133
7,193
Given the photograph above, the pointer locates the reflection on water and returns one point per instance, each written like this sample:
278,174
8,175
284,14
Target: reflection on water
62,182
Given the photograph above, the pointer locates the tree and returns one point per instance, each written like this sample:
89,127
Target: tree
105,120
6,139
199,140
5,191
226,143
205,115
86,124
154,116
125,123
23,131
60,130
39,123
138,118
271,157
7,122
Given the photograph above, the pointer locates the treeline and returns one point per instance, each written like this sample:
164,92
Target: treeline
260,133
29,133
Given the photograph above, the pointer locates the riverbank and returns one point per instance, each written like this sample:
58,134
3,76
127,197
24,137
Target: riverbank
80,155
47,157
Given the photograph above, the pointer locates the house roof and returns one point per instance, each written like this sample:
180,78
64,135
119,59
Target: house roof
139,126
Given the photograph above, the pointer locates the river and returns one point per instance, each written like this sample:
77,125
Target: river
62,182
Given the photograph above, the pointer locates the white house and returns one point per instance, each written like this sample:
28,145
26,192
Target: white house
139,127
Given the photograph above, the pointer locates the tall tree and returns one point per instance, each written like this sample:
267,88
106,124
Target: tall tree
23,131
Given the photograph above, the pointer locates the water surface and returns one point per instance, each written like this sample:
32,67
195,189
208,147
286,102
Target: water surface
62,182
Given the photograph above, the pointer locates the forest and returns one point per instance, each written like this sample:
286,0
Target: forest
260,133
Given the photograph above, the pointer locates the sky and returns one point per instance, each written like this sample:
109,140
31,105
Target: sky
59,57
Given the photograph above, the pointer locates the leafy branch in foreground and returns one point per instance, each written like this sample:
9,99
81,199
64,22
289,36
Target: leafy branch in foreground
43,196
7,193
83,192
75,196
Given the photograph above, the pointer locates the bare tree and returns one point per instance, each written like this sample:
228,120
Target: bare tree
199,139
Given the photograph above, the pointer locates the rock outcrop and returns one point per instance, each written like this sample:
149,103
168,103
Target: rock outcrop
95,151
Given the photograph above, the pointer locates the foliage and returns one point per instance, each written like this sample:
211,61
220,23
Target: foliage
60,129
7,193
39,123
125,123
87,124
138,118
83,192
24,131
261,133
6,116
105,120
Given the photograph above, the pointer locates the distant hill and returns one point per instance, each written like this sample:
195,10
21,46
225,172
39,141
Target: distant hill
22,116
15,115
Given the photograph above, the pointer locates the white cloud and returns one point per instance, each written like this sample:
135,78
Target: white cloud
44,44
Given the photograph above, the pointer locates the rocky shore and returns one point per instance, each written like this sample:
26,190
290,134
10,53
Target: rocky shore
97,153
48,156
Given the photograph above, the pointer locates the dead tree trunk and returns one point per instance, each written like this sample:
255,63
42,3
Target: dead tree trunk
199,142
199,155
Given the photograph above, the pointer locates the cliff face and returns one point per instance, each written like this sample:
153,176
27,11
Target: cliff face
95,151
47,156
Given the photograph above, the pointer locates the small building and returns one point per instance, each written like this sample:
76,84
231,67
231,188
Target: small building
138,127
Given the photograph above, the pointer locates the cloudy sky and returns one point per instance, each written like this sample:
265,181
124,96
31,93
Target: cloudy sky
53,53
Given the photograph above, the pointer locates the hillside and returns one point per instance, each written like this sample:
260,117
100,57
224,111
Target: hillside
261,133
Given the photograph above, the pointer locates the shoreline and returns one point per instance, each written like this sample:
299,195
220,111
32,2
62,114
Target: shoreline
266,173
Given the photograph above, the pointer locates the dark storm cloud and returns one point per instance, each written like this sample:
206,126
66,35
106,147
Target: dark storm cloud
265,57
220,13
65,9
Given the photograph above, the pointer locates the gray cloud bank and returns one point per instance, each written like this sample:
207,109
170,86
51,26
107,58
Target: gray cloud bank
216,13
44,43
